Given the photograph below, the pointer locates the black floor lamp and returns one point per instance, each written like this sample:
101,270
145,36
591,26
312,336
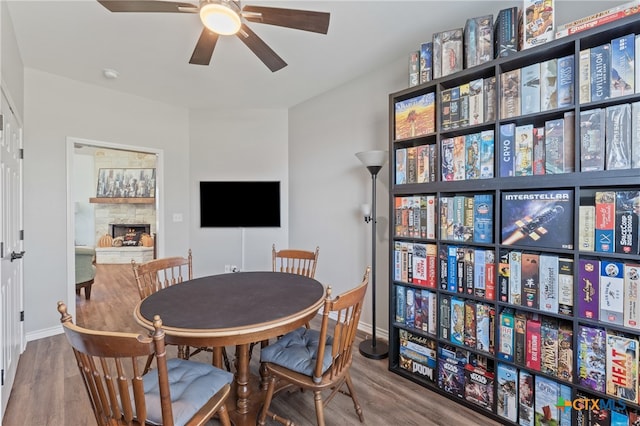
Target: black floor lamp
373,160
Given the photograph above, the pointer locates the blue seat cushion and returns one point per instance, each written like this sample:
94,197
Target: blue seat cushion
297,351
192,385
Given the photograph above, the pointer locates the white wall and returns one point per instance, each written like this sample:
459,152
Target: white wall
328,183
237,145
11,68
84,211
56,108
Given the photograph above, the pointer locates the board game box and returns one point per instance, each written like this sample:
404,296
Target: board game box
507,393
549,85
538,22
506,335
530,278
484,317
445,315
415,116
525,398
476,101
622,367
486,154
631,288
622,65
478,386
611,292
591,357
507,149
538,218
451,365
510,94
530,90
565,351
592,139
618,137
565,286
627,222
600,73
548,283
515,277
565,81
588,288
546,399
426,62
457,321
549,348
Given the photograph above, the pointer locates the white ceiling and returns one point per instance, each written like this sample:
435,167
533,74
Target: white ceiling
78,39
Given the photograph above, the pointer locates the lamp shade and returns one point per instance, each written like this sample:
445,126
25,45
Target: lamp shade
220,18
372,158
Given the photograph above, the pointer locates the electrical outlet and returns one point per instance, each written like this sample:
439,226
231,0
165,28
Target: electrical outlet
227,268
234,268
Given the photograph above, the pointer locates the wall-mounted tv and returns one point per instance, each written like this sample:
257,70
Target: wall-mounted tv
240,204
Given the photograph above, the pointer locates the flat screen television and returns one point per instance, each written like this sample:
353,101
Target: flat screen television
240,204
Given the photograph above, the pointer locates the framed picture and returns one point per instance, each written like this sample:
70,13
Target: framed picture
126,183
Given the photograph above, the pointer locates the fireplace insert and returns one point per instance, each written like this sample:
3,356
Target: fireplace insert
130,232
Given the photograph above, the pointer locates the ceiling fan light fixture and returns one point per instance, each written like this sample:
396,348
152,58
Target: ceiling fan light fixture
220,19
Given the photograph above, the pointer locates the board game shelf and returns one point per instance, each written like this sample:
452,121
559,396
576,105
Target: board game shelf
507,274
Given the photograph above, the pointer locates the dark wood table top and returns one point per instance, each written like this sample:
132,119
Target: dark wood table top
233,303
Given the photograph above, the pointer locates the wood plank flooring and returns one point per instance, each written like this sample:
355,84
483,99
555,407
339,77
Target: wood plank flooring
48,389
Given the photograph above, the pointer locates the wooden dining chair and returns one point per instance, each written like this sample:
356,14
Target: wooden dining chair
124,391
157,274
293,261
317,360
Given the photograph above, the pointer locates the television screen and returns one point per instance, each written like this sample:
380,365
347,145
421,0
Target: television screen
240,204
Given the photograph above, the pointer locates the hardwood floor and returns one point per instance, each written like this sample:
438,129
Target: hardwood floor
48,389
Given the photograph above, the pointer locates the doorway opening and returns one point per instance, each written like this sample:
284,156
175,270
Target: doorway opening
89,218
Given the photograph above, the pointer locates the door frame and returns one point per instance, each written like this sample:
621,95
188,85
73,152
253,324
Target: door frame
159,202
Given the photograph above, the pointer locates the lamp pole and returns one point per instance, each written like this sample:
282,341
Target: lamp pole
371,348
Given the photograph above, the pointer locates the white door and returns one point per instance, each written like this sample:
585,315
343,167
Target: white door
11,250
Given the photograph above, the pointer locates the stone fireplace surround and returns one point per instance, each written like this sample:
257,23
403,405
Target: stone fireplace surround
123,211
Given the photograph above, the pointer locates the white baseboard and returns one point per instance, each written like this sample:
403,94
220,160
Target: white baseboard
45,332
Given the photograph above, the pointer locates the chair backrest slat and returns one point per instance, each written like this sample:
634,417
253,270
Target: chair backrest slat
292,261
157,274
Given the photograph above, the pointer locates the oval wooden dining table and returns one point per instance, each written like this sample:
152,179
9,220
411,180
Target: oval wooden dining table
234,309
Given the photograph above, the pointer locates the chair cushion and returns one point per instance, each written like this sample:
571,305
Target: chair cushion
297,351
192,385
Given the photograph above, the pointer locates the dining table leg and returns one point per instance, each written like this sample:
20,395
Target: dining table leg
243,391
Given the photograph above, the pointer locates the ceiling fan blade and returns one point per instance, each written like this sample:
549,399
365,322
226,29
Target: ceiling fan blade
148,6
261,50
204,48
317,22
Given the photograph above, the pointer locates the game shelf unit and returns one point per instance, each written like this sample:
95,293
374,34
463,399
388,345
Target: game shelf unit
514,223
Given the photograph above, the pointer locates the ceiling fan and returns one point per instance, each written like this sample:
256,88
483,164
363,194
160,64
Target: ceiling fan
226,17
